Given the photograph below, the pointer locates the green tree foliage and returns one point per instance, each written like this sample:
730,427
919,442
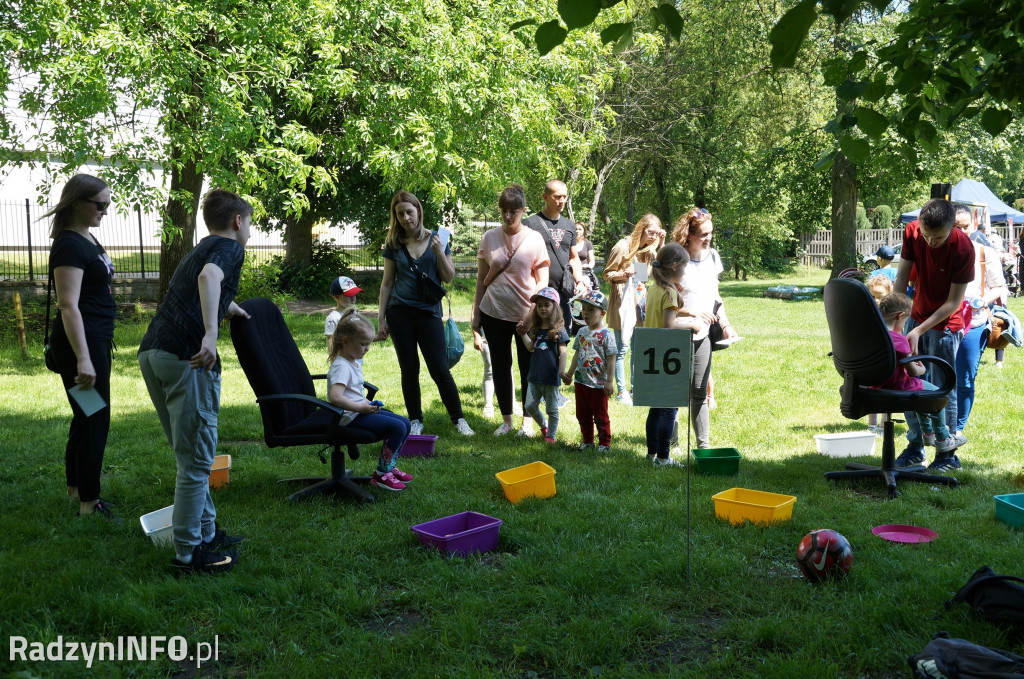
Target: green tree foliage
314,109
882,217
946,62
862,217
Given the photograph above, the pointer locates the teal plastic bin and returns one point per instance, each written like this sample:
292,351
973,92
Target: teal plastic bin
1010,509
717,461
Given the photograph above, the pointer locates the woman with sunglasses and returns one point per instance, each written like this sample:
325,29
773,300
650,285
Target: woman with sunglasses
700,299
83,330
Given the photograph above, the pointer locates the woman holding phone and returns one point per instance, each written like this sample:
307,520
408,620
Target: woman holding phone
413,321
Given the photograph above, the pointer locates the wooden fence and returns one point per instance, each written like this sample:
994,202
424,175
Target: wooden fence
817,247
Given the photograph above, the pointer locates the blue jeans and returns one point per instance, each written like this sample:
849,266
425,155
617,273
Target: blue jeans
932,423
660,422
944,344
621,347
393,428
968,358
187,402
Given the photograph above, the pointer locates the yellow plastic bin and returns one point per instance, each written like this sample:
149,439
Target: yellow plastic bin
219,471
737,505
536,479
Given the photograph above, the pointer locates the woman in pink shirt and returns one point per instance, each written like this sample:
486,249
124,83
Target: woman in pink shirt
512,265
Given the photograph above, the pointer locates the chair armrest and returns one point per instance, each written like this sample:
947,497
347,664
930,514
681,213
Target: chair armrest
302,398
371,390
319,377
948,374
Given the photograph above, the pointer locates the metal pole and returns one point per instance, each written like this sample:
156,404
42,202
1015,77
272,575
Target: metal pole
28,230
142,251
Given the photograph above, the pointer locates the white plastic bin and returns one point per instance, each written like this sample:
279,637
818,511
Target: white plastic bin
846,444
157,525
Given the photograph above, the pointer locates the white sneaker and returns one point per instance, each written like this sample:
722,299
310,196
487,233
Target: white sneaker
417,427
624,398
463,427
503,430
668,462
999,364
525,431
488,412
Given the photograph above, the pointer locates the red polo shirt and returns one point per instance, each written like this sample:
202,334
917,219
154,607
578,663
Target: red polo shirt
938,269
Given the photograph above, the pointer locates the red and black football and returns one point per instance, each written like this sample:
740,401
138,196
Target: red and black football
824,554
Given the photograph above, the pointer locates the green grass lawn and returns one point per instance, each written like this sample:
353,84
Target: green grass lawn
589,583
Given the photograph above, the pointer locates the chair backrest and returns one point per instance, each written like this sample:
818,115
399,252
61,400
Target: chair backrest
861,346
272,363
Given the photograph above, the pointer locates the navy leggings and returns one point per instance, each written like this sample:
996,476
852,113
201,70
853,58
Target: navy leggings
392,427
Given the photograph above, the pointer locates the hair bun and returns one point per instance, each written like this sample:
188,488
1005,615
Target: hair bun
656,264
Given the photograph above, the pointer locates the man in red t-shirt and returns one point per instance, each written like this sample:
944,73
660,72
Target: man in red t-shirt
943,258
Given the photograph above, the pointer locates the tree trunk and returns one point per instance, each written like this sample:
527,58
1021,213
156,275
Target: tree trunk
844,214
663,207
571,182
602,177
610,238
631,198
182,206
298,236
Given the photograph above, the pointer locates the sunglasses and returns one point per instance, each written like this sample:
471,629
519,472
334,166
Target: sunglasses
101,205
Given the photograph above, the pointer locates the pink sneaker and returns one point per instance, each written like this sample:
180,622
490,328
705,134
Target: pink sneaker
386,481
404,477
549,439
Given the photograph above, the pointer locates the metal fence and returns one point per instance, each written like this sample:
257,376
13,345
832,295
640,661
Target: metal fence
132,239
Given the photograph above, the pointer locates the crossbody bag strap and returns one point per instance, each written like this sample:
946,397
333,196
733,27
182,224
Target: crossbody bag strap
506,264
408,258
551,243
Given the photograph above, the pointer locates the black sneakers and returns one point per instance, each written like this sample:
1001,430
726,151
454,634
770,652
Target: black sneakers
103,510
221,540
204,560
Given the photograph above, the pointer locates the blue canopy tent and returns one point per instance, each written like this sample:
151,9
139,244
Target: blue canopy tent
970,191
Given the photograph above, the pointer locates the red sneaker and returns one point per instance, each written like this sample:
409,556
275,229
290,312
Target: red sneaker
404,477
386,481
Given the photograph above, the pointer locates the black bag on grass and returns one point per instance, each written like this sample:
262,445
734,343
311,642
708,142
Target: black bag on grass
1000,598
945,658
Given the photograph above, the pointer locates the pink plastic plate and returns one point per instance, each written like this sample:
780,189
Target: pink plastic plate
900,533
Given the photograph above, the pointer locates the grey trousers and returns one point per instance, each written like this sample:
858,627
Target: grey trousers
187,402
548,392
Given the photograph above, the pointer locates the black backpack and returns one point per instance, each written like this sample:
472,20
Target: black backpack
1000,598
945,658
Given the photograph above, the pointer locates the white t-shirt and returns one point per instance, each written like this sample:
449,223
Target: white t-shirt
993,276
700,286
331,324
349,373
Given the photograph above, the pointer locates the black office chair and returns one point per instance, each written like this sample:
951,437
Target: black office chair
292,414
863,353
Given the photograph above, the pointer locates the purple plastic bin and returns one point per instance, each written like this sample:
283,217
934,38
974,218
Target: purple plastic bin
461,534
419,445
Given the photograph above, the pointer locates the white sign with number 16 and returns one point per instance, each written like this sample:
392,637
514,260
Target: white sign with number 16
662,364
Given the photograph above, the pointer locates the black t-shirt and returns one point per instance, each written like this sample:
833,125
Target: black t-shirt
563,238
95,301
585,248
178,326
544,359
